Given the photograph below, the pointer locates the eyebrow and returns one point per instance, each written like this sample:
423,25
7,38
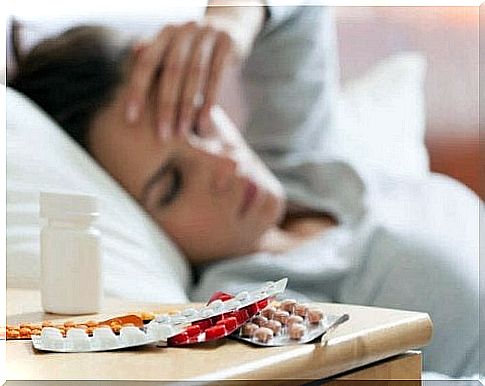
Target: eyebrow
154,179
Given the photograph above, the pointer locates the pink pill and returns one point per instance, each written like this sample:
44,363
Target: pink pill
294,319
274,325
301,310
288,305
315,315
296,331
282,317
259,320
263,334
268,312
248,329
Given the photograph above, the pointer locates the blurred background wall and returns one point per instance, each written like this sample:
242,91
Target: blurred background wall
449,38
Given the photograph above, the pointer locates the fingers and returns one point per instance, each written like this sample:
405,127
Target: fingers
222,48
145,65
181,69
170,82
191,98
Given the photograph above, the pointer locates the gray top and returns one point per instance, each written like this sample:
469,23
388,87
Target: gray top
291,85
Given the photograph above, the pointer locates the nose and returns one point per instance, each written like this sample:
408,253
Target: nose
221,161
224,172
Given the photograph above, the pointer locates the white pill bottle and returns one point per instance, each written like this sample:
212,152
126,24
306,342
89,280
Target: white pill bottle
71,271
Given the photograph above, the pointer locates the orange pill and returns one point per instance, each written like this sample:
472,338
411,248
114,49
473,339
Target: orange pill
25,332
13,334
116,328
147,316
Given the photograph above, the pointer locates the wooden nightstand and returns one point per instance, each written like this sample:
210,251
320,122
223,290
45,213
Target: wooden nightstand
373,345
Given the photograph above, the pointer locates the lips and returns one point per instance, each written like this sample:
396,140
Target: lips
249,197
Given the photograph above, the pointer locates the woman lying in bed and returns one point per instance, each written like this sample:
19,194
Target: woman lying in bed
220,204
211,194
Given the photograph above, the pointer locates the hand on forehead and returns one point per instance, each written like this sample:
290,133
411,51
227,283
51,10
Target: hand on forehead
181,67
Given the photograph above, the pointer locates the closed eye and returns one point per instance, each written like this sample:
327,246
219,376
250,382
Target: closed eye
174,188
163,186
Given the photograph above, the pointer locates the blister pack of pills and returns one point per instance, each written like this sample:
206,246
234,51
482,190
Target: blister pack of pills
23,331
223,315
288,323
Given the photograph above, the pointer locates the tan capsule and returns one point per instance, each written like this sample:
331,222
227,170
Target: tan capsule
301,309
268,312
315,315
294,319
296,331
288,305
248,329
263,334
282,317
274,325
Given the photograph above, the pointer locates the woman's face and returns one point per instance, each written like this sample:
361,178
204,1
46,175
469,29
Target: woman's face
212,196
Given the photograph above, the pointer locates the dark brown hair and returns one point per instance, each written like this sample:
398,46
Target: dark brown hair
72,76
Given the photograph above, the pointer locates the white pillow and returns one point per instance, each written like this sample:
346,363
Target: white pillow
381,119
139,262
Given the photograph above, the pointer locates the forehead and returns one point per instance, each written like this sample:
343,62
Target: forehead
131,154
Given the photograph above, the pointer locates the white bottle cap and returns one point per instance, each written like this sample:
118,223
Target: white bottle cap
62,205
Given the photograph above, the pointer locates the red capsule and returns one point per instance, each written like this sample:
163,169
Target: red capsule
203,324
252,309
181,338
219,295
215,332
215,319
229,315
229,323
262,304
242,316
193,330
